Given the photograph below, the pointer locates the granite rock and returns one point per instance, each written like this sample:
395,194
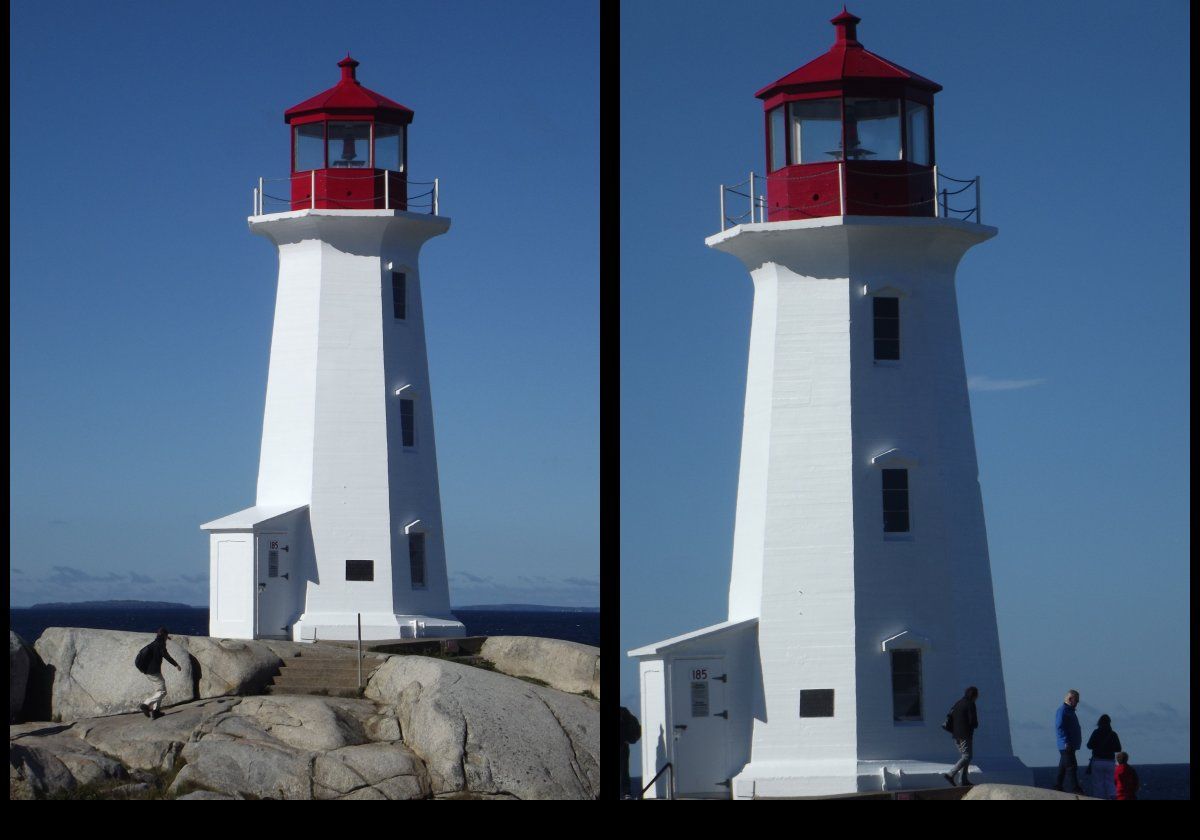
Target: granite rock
488,733
567,666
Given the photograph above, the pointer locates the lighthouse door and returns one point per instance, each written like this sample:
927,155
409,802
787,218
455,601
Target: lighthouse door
274,586
700,724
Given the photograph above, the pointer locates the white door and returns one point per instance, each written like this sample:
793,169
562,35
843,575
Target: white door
275,586
700,727
232,615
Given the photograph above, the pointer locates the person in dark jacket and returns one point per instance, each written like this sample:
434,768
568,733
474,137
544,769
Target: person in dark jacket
152,668
1104,745
631,731
964,720
1070,738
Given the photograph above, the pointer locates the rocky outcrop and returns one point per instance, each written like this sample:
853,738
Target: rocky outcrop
484,732
44,759
18,675
91,672
567,666
231,666
428,728
990,791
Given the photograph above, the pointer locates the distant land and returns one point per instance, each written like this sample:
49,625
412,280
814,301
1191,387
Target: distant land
525,608
169,605
112,605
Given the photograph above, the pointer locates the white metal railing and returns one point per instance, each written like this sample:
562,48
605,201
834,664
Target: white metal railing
416,199
755,202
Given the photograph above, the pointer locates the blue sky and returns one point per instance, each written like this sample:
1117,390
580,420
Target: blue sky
1074,320
141,306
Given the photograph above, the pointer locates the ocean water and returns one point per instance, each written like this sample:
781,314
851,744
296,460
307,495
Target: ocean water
1158,781
583,627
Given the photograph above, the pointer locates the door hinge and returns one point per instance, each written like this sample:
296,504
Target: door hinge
285,576
727,783
724,714
722,678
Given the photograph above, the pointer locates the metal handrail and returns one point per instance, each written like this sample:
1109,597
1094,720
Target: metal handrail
757,202
669,769
261,196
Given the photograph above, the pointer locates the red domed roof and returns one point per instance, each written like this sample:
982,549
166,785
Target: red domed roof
349,96
846,63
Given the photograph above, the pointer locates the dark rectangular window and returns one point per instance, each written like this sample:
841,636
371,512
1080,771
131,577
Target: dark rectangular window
906,685
273,562
816,702
407,423
895,501
398,295
700,699
416,557
887,327
360,570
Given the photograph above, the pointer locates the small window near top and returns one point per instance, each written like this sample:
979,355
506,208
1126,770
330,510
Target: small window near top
360,570
310,146
906,685
416,557
408,430
918,133
399,299
887,327
816,702
778,143
389,147
895,501
349,145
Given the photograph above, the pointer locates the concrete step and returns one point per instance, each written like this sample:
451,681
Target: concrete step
319,691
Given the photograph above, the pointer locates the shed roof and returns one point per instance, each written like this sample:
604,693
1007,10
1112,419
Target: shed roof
713,630
246,520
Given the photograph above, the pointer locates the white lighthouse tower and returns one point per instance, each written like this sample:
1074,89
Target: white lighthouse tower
347,526
860,601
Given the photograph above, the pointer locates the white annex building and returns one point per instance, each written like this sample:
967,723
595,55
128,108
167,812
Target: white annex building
860,600
347,523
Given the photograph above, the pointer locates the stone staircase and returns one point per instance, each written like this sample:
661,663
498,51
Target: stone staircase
323,671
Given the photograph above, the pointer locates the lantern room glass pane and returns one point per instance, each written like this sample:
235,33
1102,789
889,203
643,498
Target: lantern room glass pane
309,142
918,133
349,144
389,147
816,130
873,129
778,138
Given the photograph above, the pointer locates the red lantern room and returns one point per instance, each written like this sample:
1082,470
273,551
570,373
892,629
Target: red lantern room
849,133
349,148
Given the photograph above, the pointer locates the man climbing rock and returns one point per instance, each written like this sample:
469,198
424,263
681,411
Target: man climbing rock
149,662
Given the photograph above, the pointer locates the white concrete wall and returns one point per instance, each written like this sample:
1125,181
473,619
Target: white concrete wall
331,426
809,542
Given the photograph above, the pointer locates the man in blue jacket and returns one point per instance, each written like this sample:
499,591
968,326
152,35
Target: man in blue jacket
1066,725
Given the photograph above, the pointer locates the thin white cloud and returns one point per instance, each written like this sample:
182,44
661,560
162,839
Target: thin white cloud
986,383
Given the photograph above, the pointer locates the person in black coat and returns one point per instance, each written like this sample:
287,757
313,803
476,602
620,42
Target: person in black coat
963,721
631,731
1104,745
149,662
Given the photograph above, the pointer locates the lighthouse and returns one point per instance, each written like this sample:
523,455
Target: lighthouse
860,599
346,529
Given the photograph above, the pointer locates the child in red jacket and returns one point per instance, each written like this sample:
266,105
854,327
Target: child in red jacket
1126,778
